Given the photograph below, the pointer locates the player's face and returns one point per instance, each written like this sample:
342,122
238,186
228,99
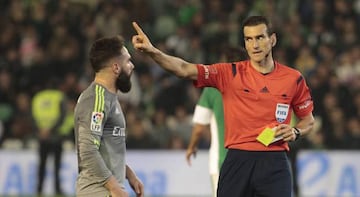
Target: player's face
123,82
257,42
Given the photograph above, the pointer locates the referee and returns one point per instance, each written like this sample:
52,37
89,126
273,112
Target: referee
259,96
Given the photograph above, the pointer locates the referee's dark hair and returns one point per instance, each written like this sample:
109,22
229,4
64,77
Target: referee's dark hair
257,20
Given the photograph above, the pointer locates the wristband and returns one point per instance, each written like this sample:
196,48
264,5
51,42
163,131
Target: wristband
297,133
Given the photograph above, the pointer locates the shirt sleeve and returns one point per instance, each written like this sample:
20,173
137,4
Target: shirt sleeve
303,103
202,115
215,75
203,112
90,131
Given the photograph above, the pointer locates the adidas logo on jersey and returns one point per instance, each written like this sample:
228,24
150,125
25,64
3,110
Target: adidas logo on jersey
264,90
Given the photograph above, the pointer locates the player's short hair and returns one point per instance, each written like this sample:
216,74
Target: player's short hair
103,50
257,20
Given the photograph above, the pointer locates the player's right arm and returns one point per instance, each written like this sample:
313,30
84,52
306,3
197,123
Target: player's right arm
201,119
197,131
175,65
90,159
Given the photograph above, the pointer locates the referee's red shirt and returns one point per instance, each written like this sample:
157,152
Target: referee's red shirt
254,101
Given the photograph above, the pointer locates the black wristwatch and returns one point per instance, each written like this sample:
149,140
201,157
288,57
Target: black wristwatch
297,133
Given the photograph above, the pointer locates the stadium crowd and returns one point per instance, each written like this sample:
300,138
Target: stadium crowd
48,40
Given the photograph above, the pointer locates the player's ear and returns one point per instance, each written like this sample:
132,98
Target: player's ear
116,68
273,39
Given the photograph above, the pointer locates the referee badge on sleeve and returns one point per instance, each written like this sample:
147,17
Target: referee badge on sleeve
281,112
96,122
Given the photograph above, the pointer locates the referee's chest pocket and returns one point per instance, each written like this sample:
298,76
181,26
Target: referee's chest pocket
246,93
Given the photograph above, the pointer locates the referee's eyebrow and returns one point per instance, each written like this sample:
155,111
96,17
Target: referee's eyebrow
256,37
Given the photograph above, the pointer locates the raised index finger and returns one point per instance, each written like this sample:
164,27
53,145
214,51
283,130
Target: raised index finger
138,29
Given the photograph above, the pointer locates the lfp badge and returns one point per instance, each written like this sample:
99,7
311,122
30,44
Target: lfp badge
282,111
96,121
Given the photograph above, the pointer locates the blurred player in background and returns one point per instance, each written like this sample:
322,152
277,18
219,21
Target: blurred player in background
100,127
209,116
258,97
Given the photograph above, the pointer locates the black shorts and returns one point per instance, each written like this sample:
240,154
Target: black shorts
255,174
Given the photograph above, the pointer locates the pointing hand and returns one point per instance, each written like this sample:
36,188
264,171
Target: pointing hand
140,41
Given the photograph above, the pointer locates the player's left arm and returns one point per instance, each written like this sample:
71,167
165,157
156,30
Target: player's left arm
134,182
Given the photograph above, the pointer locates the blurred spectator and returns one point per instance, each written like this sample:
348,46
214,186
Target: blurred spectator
109,18
179,42
353,132
22,125
305,62
345,69
342,93
139,137
181,124
63,50
177,143
147,88
49,109
336,129
7,93
294,48
356,104
70,86
161,132
167,87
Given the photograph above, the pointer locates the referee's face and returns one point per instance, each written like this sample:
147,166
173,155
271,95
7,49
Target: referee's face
257,42
123,82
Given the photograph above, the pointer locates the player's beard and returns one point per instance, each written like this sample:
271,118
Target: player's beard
123,82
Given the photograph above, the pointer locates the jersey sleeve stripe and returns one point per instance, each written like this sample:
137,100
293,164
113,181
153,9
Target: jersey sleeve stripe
96,98
99,99
102,99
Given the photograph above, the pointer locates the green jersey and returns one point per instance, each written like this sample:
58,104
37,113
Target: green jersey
209,110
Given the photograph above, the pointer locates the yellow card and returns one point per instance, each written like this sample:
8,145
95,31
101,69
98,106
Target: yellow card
266,137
